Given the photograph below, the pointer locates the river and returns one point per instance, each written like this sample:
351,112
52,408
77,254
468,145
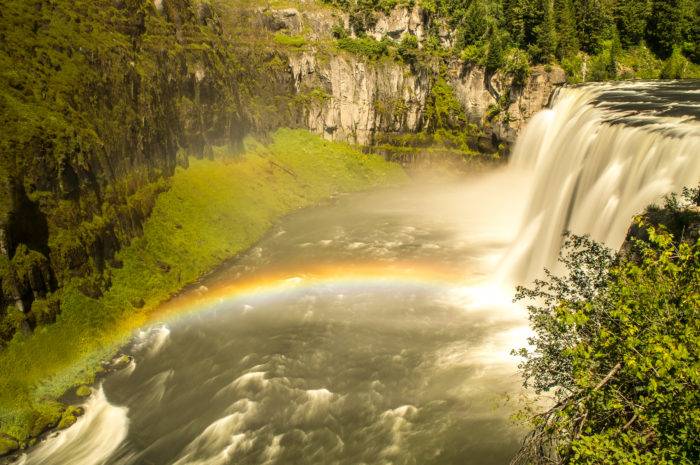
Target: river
377,329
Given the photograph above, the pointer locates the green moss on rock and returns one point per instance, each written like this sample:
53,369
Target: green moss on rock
7,445
83,391
70,416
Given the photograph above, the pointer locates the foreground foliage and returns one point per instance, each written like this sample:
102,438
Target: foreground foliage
617,342
211,211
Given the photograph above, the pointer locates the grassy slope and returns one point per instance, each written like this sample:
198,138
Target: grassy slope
212,211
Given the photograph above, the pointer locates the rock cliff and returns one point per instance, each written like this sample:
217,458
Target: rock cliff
357,98
104,99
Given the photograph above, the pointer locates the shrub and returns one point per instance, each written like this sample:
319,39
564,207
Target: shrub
473,54
517,64
675,66
616,341
408,48
365,46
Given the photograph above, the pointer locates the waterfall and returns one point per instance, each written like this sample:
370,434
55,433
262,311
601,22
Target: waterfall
596,158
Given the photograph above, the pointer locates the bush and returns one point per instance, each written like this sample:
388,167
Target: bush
408,48
675,66
11,322
617,342
338,31
365,46
517,64
473,54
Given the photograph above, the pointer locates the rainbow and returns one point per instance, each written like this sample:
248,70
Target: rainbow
282,283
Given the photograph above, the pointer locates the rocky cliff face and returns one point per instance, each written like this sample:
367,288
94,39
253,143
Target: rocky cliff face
356,98
353,99
479,93
104,100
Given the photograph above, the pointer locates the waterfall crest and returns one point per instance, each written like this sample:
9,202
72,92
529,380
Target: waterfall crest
597,157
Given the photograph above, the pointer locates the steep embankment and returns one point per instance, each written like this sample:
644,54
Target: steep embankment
100,102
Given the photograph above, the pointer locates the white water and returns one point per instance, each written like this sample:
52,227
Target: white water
90,441
594,167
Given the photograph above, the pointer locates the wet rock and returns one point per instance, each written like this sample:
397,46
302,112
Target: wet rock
70,416
120,362
7,445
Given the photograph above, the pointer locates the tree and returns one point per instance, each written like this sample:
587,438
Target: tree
545,34
670,24
594,19
476,24
615,51
494,55
567,41
514,20
617,341
631,20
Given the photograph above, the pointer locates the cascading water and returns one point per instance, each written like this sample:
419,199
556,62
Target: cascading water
598,157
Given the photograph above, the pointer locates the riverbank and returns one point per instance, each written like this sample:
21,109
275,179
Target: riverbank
211,211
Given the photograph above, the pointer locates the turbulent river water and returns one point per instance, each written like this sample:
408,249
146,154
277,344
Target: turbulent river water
377,329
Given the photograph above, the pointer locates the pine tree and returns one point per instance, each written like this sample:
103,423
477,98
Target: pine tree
545,34
475,24
631,20
594,18
514,21
615,50
494,56
567,42
670,24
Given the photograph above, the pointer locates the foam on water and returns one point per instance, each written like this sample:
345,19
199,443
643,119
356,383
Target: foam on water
90,441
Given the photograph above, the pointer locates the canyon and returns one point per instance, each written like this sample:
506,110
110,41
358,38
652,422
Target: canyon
184,77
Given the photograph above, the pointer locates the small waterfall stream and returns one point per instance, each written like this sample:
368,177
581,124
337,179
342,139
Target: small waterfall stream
596,158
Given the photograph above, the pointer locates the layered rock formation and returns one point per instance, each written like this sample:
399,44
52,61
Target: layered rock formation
357,98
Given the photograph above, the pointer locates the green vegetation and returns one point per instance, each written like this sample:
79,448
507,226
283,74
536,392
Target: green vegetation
366,46
211,211
570,32
289,40
617,341
98,102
